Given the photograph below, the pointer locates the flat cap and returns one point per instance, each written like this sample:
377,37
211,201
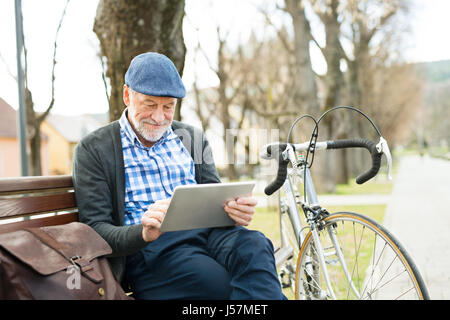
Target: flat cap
154,74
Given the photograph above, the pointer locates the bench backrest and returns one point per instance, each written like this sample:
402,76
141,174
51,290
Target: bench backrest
36,202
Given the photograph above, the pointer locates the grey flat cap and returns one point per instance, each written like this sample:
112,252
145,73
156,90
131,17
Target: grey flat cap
154,74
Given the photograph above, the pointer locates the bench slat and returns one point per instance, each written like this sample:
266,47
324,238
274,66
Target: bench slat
41,222
28,205
35,183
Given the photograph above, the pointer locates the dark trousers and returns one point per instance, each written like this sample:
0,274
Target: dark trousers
216,263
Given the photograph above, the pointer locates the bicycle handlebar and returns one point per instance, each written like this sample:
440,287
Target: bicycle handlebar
360,143
272,151
282,167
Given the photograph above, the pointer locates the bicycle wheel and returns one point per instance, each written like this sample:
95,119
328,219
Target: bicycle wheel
373,264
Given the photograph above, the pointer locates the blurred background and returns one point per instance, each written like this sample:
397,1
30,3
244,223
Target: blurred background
250,69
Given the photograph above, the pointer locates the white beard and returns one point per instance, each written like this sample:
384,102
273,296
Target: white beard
151,135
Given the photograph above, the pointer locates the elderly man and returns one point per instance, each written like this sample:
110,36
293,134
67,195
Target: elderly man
124,176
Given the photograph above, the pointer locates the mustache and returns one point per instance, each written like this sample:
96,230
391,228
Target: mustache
163,123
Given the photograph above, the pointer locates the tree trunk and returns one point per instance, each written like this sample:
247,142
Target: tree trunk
34,136
127,28
306,97
333,84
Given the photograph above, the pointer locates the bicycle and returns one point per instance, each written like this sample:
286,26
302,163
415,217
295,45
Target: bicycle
342,255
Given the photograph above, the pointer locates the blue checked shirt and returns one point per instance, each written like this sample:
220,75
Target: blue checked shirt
152,174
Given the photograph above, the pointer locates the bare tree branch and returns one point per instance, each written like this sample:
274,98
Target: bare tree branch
280,35
52,101
7,68
104,77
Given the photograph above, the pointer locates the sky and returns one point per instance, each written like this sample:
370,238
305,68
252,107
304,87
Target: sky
79,87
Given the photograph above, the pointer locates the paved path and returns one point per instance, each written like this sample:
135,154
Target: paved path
418,214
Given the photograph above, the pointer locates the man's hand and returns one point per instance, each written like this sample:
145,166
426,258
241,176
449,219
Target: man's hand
241,210
152,219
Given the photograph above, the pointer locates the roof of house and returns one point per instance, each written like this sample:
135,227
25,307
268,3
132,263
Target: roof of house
8,125
74,128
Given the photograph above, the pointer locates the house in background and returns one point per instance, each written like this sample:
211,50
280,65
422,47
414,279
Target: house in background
9,143
59,136
64,132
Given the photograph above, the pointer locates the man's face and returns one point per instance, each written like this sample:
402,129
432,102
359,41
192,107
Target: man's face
150,116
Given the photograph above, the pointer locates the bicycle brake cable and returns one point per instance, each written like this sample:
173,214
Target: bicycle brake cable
350,108
313,136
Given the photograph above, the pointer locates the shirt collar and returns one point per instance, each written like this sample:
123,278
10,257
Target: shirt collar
129,131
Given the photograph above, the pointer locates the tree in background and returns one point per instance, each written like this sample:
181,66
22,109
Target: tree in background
363,69
35,119
127,28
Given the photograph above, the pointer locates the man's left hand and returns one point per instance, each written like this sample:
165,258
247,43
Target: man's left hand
241,210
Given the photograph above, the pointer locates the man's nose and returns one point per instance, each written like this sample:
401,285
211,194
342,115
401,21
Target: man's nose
158,115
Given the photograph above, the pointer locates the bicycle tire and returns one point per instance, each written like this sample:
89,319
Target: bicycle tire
400,284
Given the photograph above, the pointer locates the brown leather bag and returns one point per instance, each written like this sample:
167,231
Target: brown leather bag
58,262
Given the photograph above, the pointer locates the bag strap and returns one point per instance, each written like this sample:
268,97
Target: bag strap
78,262
51,242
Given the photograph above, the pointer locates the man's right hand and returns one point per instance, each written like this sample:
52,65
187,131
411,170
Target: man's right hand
152,219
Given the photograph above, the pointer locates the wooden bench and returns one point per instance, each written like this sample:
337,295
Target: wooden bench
36,202
30,202
27,202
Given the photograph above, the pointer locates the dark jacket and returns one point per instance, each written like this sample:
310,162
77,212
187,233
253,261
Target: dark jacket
99,181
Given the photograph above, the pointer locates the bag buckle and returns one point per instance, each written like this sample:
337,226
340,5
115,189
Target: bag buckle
76,265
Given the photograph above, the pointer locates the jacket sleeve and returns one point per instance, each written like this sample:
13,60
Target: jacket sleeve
94,196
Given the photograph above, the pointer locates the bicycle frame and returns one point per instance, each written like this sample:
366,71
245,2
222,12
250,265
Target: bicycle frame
320,254
293,211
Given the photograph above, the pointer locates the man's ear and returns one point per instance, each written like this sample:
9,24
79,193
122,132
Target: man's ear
126,95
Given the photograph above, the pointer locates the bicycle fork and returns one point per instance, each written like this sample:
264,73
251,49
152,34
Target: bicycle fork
340,255
321,256
322,262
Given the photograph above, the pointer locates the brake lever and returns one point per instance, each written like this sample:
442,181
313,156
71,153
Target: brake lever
383,147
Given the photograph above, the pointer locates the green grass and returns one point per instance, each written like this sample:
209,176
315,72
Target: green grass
266,220
374,211
382,186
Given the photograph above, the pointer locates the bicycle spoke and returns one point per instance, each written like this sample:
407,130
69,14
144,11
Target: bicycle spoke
357,257
398,298
373,261
374,267
385,272
390,280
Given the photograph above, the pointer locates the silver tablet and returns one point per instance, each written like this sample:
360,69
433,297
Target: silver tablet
201,205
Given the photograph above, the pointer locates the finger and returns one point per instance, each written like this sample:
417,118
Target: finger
159,216
239,214
242,221
158,207
150,223
250,201
241,207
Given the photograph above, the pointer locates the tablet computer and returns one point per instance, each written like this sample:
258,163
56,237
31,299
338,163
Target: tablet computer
201,205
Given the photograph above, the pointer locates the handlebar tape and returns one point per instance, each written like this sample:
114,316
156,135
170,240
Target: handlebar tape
276,151
360,143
